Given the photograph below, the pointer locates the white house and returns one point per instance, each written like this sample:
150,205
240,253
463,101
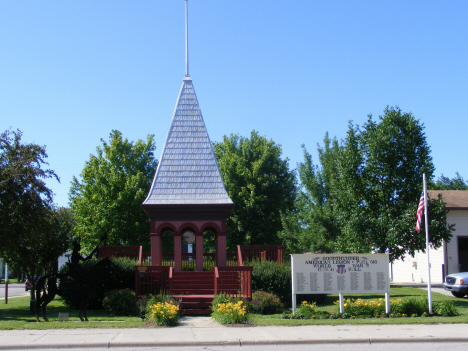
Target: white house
451,257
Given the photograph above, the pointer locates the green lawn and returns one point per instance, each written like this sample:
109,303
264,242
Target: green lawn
395,293
15,314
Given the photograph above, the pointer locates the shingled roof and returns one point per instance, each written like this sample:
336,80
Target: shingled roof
187,172
454,199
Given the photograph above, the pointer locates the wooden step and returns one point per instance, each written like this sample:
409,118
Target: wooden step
198,312
192,305
192,283
192,274
196,304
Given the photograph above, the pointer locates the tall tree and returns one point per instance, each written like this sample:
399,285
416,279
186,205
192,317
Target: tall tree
33,234
311,224
445,183
261,185
107,198
373,184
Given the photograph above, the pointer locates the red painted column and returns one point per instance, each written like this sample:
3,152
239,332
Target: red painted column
156,249
221,250
177,252
156,246
199,252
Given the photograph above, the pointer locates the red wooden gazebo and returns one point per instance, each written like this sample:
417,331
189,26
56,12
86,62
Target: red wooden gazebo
187,198
187,194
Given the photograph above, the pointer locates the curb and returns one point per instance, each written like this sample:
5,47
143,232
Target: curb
232,343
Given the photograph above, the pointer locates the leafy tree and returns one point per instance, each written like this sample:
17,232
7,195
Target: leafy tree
365,194
108,197
445,183
33,234
311,225
260,184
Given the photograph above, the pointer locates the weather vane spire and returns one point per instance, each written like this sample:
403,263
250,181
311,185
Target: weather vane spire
186,40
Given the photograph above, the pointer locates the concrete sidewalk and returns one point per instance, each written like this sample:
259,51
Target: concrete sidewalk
201,331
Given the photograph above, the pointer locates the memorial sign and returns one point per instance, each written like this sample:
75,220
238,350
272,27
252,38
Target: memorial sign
339,274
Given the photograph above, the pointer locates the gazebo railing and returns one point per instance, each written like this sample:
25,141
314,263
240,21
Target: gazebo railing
189,260
247,253
234,281
151,280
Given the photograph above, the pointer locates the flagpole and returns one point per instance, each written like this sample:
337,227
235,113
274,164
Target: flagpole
186,41
426,220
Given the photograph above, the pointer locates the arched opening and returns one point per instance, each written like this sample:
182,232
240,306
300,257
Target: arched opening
209,241
188,241
167,236
209,249
188,250
168,242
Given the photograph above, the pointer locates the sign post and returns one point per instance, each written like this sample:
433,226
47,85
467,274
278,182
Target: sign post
341,303
340,274
6,283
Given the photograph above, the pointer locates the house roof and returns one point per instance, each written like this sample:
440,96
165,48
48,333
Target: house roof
455,199
187,172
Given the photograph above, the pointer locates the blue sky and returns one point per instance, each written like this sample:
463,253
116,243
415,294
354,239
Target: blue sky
71,71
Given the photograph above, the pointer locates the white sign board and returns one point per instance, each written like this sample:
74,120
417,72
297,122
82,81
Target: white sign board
340,273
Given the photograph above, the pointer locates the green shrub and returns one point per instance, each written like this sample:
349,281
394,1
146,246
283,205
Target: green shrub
306,310
419,306
411,306
228,310
273,278
121,275
309,311
265,303
445,308
121,303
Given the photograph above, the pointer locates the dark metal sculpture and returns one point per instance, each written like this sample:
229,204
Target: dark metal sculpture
85,281
45,293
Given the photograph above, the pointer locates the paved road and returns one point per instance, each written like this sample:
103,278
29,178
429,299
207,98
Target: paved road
13,290
293,347
201,333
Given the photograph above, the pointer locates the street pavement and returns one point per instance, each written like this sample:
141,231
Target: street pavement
13,290
203,331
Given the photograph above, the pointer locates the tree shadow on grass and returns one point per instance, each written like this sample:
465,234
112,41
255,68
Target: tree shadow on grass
19,311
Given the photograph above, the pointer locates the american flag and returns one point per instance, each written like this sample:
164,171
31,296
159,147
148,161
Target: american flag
420,211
